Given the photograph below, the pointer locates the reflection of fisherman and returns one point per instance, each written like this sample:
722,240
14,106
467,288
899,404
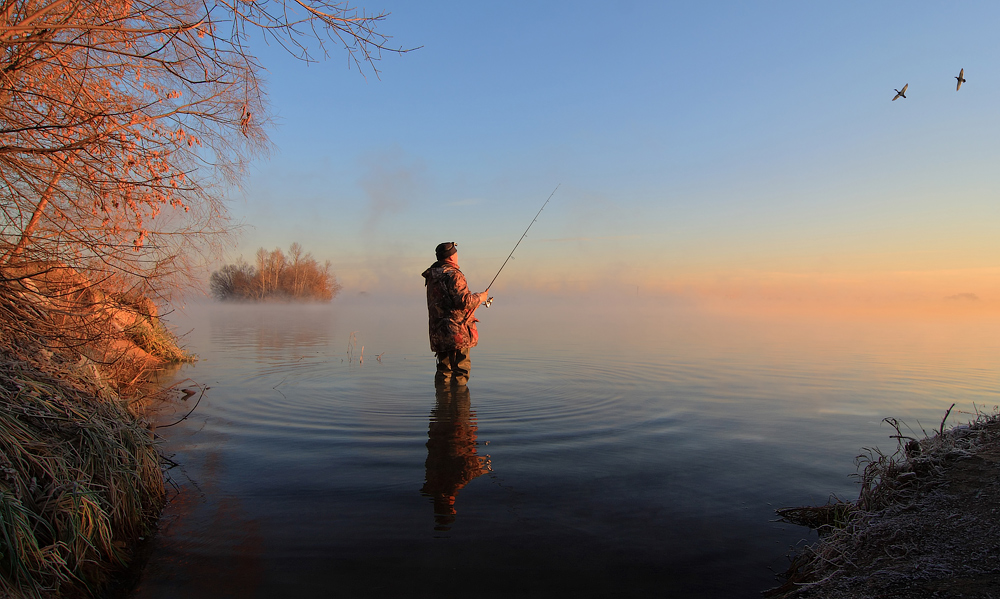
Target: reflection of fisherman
452,461
451,309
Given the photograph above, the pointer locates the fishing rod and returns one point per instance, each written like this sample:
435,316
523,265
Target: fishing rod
489,301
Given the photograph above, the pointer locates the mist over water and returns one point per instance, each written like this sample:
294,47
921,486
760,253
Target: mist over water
632,447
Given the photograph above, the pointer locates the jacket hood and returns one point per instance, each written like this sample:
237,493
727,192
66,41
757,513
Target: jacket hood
427,273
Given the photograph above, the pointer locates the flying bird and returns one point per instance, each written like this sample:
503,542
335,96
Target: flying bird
900,93
961,79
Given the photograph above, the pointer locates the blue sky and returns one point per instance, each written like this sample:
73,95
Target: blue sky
699,146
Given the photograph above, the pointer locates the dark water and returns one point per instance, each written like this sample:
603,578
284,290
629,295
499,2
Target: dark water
595,452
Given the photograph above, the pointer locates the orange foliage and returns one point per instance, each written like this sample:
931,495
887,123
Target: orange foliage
124,122
297,276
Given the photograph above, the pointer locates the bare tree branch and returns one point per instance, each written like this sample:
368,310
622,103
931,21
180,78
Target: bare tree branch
124,123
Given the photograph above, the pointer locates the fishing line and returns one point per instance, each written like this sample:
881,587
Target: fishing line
490,300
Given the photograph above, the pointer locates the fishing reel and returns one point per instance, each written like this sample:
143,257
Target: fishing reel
488,302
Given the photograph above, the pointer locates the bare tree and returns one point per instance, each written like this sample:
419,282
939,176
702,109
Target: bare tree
123,123
233,281
269,268
295,256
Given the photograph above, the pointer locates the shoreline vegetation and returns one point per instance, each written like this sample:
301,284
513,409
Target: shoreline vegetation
926,522
276,277
80,474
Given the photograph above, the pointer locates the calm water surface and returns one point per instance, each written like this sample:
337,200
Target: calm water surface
595,452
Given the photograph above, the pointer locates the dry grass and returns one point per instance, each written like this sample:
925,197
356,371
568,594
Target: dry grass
80,477
898,532
154,338
80,480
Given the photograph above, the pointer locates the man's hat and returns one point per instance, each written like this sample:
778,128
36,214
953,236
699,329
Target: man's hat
448,248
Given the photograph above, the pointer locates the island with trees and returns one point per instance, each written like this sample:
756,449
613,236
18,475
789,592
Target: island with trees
296,276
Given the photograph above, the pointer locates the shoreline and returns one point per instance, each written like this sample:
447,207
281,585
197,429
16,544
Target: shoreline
926,523
81,484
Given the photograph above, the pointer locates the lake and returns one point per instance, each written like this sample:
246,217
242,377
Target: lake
624,447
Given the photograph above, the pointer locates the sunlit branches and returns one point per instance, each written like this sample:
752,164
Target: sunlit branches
114,113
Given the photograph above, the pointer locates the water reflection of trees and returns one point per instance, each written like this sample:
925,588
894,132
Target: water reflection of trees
452,460
266,328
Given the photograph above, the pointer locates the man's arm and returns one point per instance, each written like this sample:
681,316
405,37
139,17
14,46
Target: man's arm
462,298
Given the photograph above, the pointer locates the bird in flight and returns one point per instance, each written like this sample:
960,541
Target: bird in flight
901,93
961,79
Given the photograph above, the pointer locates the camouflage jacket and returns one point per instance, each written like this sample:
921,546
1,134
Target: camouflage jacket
451,308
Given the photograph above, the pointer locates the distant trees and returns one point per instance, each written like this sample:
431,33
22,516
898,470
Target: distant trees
297,276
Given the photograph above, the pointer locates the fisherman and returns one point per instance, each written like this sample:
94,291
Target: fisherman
451,310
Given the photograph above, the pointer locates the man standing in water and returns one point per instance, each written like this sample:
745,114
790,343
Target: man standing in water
451,309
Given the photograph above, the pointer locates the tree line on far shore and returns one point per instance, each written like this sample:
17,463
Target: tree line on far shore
276,276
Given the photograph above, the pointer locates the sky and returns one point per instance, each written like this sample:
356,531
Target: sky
716,151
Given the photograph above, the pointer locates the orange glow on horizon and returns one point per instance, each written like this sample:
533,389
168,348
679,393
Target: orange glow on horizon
961,292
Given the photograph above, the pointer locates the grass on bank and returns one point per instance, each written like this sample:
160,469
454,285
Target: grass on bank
152,337
80,480
892,484
80,477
